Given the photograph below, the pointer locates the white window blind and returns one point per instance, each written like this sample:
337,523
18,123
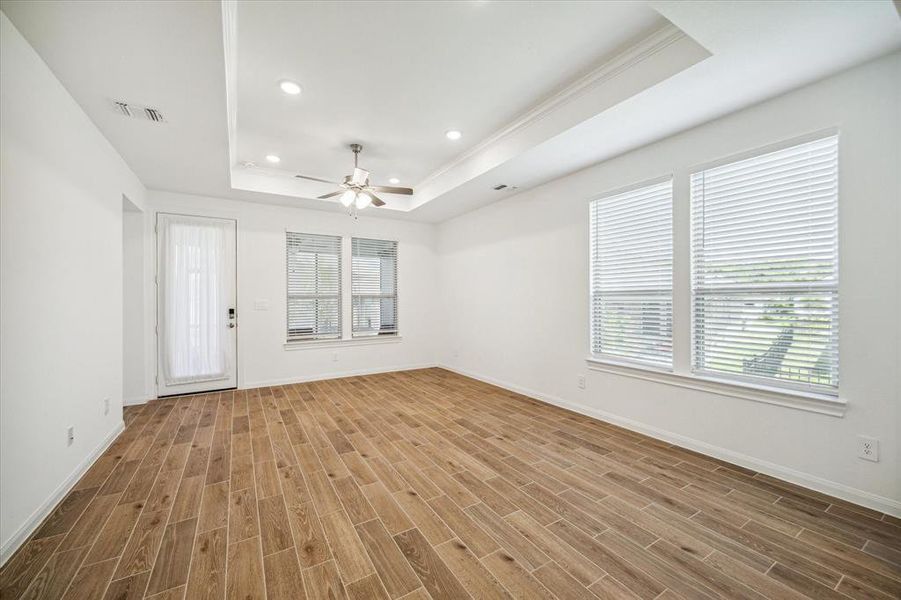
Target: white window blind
765,267
632,275
314,286
374,287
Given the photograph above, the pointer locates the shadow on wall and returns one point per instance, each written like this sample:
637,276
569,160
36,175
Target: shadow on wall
132,303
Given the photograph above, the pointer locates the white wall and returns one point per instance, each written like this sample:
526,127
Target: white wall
61,290
262,357
133,360
515,287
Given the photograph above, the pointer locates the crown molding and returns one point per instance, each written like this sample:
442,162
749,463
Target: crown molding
627,59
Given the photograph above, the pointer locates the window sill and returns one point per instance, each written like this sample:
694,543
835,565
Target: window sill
342,343
808,401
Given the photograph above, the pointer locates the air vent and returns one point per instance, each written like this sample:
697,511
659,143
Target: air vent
137,111
154,115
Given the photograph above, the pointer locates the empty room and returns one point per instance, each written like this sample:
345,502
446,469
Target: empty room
450,299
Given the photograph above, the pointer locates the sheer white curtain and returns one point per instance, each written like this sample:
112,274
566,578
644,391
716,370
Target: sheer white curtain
194,280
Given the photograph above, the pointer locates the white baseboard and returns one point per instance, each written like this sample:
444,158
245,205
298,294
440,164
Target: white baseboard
136,400
247,385
12,544
832,488
337,375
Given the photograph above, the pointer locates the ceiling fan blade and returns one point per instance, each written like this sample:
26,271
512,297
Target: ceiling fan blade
333,194
376,201
360,176
316,179
392,190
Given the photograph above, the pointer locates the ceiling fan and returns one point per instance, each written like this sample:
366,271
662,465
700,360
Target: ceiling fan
355,189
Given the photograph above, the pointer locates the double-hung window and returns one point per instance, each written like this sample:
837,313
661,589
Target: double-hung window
631,275
373,287
314,286
765,268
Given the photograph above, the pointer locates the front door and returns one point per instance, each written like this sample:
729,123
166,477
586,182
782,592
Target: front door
196,304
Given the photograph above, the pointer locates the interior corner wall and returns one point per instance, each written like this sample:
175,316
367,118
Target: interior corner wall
515,286
133,367
60,288
263,358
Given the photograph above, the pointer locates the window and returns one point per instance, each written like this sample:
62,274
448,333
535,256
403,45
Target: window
631,275
374,287
314,286
765,268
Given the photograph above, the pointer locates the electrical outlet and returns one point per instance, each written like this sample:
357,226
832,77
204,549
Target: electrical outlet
70,435
867,448
106,406
581,382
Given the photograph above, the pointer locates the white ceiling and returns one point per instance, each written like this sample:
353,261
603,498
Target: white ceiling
395,76
162,54
758,51
539,89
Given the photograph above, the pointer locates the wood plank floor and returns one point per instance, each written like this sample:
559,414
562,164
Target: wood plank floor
427,484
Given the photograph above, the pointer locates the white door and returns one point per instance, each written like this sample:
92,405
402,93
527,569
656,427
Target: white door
196,304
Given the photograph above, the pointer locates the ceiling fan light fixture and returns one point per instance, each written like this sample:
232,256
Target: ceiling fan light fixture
347,198
289,87
453,134
274,159
394,181
354,192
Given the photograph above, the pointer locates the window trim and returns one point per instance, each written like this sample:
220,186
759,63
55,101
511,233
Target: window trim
340,296
346,337
764,149
388,335
807,401
342,343
606,358
778,387
681,375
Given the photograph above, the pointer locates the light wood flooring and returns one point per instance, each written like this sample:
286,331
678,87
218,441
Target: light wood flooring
427,484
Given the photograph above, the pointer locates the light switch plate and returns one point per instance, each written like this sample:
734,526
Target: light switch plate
261,304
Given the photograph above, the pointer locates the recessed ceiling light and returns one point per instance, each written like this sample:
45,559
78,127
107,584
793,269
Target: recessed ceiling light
289,87
453,134
394,180
273,158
